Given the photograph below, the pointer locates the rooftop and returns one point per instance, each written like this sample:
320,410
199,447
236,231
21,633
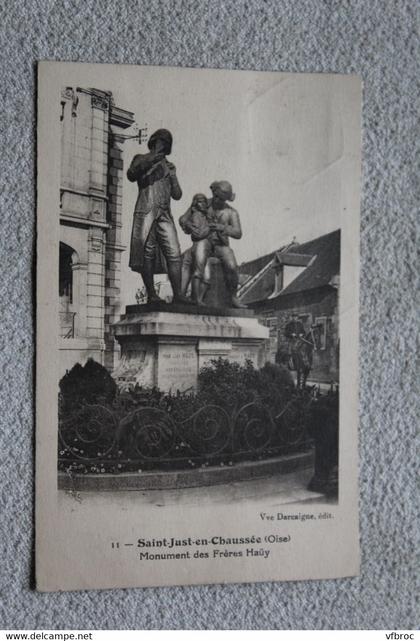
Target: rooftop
320,255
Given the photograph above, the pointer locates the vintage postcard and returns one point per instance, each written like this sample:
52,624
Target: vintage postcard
197,326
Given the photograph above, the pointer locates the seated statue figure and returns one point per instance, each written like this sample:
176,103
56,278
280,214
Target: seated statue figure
211,222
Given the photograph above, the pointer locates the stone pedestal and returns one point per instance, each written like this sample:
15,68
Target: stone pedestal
165,345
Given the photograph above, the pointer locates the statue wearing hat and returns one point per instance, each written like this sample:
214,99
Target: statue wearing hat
154,247
211,238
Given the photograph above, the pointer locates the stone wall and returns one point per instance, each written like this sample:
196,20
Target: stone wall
90,221
114,246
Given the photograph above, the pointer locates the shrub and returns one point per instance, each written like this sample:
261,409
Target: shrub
323,427
232,385
86,385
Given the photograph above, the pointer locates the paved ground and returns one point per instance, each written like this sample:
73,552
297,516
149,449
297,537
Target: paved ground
276,490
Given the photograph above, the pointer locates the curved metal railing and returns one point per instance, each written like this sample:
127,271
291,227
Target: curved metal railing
99,437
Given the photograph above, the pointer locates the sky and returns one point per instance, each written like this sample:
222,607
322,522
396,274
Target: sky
282,140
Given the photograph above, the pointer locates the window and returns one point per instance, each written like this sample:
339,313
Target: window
322,323
272,323
278,280
65,278
65,291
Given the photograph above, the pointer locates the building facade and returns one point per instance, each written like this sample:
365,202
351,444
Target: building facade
299,280
90,224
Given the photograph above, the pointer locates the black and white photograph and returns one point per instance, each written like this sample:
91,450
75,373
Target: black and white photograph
203,237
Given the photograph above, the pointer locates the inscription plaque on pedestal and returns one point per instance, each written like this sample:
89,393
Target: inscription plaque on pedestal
177,365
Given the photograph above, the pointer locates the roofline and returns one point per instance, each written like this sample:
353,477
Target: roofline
269,301
292,243
253,279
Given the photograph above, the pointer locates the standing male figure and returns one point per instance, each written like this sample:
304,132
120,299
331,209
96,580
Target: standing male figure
154,240
223,223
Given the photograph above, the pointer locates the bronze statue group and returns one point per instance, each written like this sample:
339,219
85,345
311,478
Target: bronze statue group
210,222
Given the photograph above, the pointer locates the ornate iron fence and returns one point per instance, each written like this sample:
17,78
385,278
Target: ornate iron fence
96,438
